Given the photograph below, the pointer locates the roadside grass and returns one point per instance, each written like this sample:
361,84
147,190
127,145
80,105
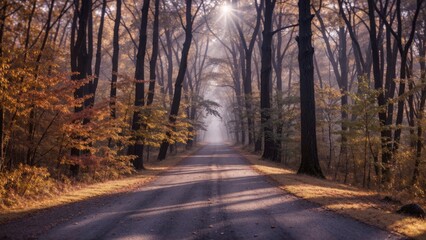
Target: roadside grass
83,192
365,206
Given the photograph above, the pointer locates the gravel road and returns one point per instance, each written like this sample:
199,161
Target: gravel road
213,194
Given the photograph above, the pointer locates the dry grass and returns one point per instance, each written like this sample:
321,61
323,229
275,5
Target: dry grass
365,206
84,192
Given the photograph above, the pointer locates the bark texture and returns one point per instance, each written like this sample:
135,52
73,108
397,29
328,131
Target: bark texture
310,162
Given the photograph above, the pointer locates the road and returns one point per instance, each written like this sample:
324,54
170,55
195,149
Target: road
214,194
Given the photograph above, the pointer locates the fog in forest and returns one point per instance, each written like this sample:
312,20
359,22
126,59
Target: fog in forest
215,127
216,132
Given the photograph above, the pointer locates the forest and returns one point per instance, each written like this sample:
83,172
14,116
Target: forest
91,90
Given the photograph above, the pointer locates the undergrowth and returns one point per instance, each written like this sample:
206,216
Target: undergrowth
29,183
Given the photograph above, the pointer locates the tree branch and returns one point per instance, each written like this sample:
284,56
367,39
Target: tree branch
284,28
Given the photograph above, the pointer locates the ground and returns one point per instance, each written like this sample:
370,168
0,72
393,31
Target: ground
214,194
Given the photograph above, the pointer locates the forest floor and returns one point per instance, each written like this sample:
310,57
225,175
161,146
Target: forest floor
366,206
81,192
212,194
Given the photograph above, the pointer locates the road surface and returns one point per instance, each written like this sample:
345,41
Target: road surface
213,194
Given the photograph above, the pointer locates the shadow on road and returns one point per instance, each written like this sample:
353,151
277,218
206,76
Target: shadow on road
212,195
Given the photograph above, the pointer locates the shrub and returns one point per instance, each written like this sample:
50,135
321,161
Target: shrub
25,182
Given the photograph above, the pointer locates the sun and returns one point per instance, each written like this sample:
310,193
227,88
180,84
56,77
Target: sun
226,9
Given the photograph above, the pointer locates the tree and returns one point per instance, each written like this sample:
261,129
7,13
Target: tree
3,16
269,149
420,113
235,63
404,46
340,69
280,50
174,111
115,56
246,50
79,61
32,125
309,162
98,58
137,148
195,77
153,62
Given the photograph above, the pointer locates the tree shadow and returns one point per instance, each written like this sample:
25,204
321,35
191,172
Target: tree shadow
202,198
352,202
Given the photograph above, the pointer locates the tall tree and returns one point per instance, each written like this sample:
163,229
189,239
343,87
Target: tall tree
195,77
154,54
280,51
246,66
3,16
169,54
98,57
422,102
174,111
115,57
79,60
32,124
269,148
340,69
309,162
137,148
404,45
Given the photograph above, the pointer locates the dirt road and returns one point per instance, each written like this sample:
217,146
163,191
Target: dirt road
212,195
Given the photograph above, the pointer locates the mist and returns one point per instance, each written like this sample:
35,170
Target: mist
216,131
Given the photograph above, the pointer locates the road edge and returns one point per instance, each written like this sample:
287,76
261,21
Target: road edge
98,190
405,227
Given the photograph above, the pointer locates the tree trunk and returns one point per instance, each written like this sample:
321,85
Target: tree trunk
246,69
387,149
420,113
378,84
341,73
403,49
115,57
278,66
94,84
174,111
31,122
386,132
79,62
169,54
265,78
28,31
89,49
27,42
237,87
3,16
197,76
310,162
153,62
137,148
343,84
248,97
